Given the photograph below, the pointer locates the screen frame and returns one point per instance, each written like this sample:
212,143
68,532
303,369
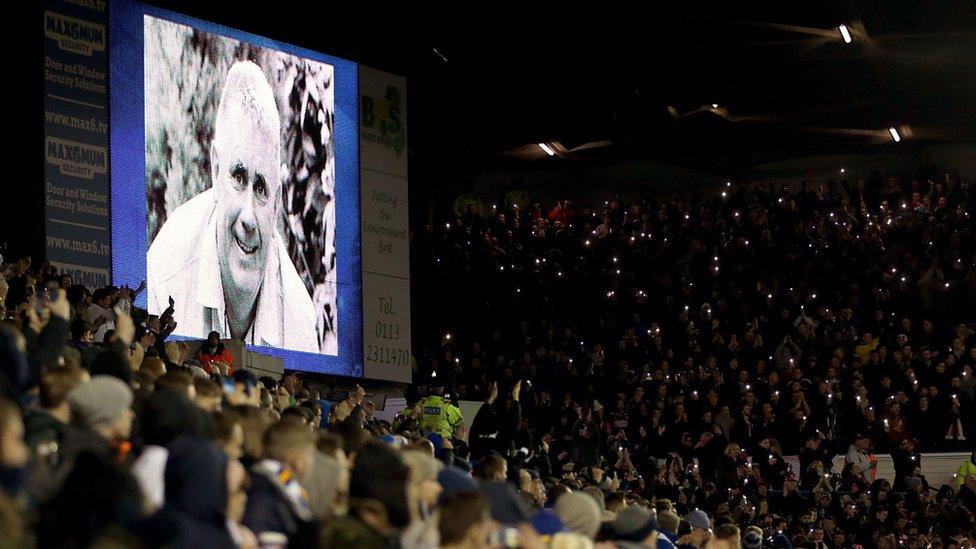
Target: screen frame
128,179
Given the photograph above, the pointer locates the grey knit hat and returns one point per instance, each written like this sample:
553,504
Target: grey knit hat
100,401
634,523
597,496
579,512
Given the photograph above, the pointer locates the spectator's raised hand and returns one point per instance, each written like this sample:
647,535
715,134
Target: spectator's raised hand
36,321
125,329
60,307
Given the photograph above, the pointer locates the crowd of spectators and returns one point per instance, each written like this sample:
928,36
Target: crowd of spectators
719,347
719,368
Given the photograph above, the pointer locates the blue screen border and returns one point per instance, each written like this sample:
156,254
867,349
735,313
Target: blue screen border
128,180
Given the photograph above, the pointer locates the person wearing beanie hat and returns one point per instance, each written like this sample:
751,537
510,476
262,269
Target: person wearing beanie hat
327,483
506,506
580,513
547,524
101,425
698,519
597,496
634,527
780,541
104,406
454,480
751,541
701,529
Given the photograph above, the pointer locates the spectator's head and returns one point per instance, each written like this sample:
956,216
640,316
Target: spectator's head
55,386
255,424
353,437
103,405
152,323
668,521
292,444
635,524
154,366
733,451
230,433
246,390
213,339
300,413
245,160
491,468
701,525
166,415
454,480
145,337
196,478
580,513
114,294
615,501
507,507
379,477
314,411
80,333
752,539
726,537
102,297
176,352
97,497
465,521
598,497
209,395
423,486
179,381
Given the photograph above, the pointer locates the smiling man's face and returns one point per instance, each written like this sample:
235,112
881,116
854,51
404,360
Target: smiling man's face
245,160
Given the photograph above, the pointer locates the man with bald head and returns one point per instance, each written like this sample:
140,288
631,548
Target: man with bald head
219,255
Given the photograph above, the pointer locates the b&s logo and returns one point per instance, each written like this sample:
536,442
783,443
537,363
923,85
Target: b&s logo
76,159
384,114
74,35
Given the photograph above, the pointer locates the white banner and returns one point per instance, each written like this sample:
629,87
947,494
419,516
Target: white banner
385,234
